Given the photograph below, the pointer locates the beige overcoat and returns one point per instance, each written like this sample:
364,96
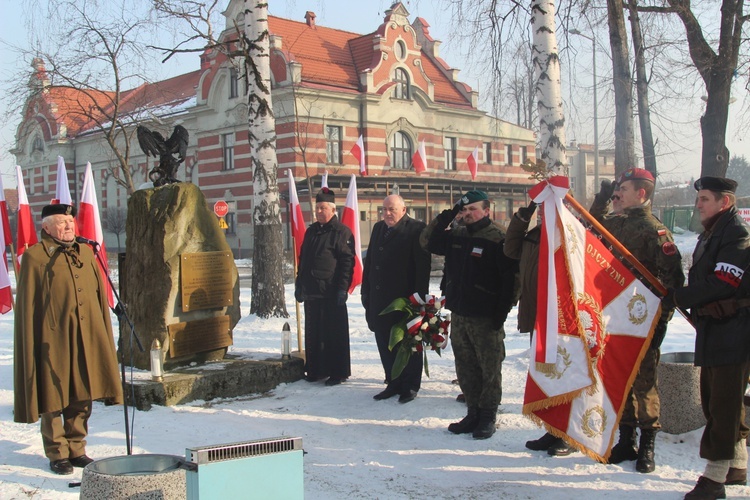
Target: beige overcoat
64,348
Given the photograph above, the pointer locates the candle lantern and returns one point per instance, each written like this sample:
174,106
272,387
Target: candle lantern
157,363
286,341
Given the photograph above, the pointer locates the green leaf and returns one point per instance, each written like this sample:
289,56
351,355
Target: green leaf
402,358
399,304
426,366
398,331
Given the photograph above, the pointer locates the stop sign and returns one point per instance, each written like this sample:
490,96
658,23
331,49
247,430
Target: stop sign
221,208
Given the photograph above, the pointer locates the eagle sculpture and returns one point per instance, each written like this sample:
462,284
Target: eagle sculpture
153,144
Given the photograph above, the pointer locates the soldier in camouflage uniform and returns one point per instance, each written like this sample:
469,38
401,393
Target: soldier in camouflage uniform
652,244
479,290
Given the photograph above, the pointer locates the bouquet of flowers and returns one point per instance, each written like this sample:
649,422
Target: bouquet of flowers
424,327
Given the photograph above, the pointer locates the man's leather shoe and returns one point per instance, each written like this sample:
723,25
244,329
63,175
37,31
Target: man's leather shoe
461,398
543,443
388,392
736,477
407,396
311,378
560,449
706,489
333,381
81,461
62,467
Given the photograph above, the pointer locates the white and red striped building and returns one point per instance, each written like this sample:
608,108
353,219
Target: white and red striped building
328,87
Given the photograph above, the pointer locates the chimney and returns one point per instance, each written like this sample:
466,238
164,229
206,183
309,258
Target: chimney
310,18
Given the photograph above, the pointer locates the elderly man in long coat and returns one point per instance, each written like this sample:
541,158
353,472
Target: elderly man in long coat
64,352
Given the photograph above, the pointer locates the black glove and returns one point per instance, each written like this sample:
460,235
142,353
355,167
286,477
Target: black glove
605,191
667,302
447,215
526,213
298,295
341,296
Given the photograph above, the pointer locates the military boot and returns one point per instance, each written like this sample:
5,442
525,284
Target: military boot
645,462
706,489
486,426
625,447
468,423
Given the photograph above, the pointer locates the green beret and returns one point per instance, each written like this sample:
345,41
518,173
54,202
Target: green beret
718,184
59,209
473,197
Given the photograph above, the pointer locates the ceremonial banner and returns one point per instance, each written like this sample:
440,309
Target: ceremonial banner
594,324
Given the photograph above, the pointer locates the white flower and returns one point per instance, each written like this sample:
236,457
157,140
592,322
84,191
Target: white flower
433,320
424,326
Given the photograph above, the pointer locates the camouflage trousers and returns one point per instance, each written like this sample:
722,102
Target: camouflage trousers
479,352
642,404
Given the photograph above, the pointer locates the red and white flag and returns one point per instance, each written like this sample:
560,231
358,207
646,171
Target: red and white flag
472,160
90,226
62,190
295,217
26,232
324,180
358,150
594,324
6,295
7,236
350,219
419,159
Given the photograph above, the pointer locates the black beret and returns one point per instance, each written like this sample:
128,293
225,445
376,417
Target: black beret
718,184
473,197
59,209
326,195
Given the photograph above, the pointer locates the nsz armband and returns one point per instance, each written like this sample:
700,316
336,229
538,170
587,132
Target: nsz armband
729,273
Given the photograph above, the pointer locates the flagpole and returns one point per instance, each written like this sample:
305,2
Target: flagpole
622,250
15,273
296,308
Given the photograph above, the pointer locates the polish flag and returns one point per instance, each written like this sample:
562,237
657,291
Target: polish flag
62,191
358,150
472,161
350,219
90,226
297,219
324,180
26,232
7,236
419,159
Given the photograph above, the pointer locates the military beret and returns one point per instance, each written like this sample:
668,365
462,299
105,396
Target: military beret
473,197
632,174
59,209
325,195
718,184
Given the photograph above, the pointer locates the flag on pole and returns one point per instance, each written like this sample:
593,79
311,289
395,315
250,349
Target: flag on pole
296,217
350,219
472,161
7,236
324,180
26,231
6,295
419,159
62,190
358,150
89,226
594,324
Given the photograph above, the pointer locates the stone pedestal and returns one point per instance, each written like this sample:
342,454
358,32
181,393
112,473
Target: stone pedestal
163,224
679,392
134,477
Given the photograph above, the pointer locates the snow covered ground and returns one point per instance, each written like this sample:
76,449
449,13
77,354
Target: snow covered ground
358,447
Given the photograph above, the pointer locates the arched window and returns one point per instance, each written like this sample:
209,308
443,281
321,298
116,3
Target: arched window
400,151
401,77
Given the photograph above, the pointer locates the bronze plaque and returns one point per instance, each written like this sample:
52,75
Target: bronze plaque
206,280
198,336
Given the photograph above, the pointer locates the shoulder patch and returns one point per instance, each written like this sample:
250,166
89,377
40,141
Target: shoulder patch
662,232
669,248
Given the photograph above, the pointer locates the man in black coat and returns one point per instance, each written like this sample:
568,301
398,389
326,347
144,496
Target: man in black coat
395,266
718,304
326,265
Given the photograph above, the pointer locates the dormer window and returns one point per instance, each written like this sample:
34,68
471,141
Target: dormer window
401,78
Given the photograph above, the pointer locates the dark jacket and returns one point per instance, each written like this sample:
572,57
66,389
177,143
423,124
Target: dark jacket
652,244
326,262
719,259
523,246
395,266
480,278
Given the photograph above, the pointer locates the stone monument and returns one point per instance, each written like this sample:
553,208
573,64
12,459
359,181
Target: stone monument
178,280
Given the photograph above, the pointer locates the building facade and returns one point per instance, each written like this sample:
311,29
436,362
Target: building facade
329,87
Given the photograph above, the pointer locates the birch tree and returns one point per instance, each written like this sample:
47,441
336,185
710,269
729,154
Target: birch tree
548,89
267,294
